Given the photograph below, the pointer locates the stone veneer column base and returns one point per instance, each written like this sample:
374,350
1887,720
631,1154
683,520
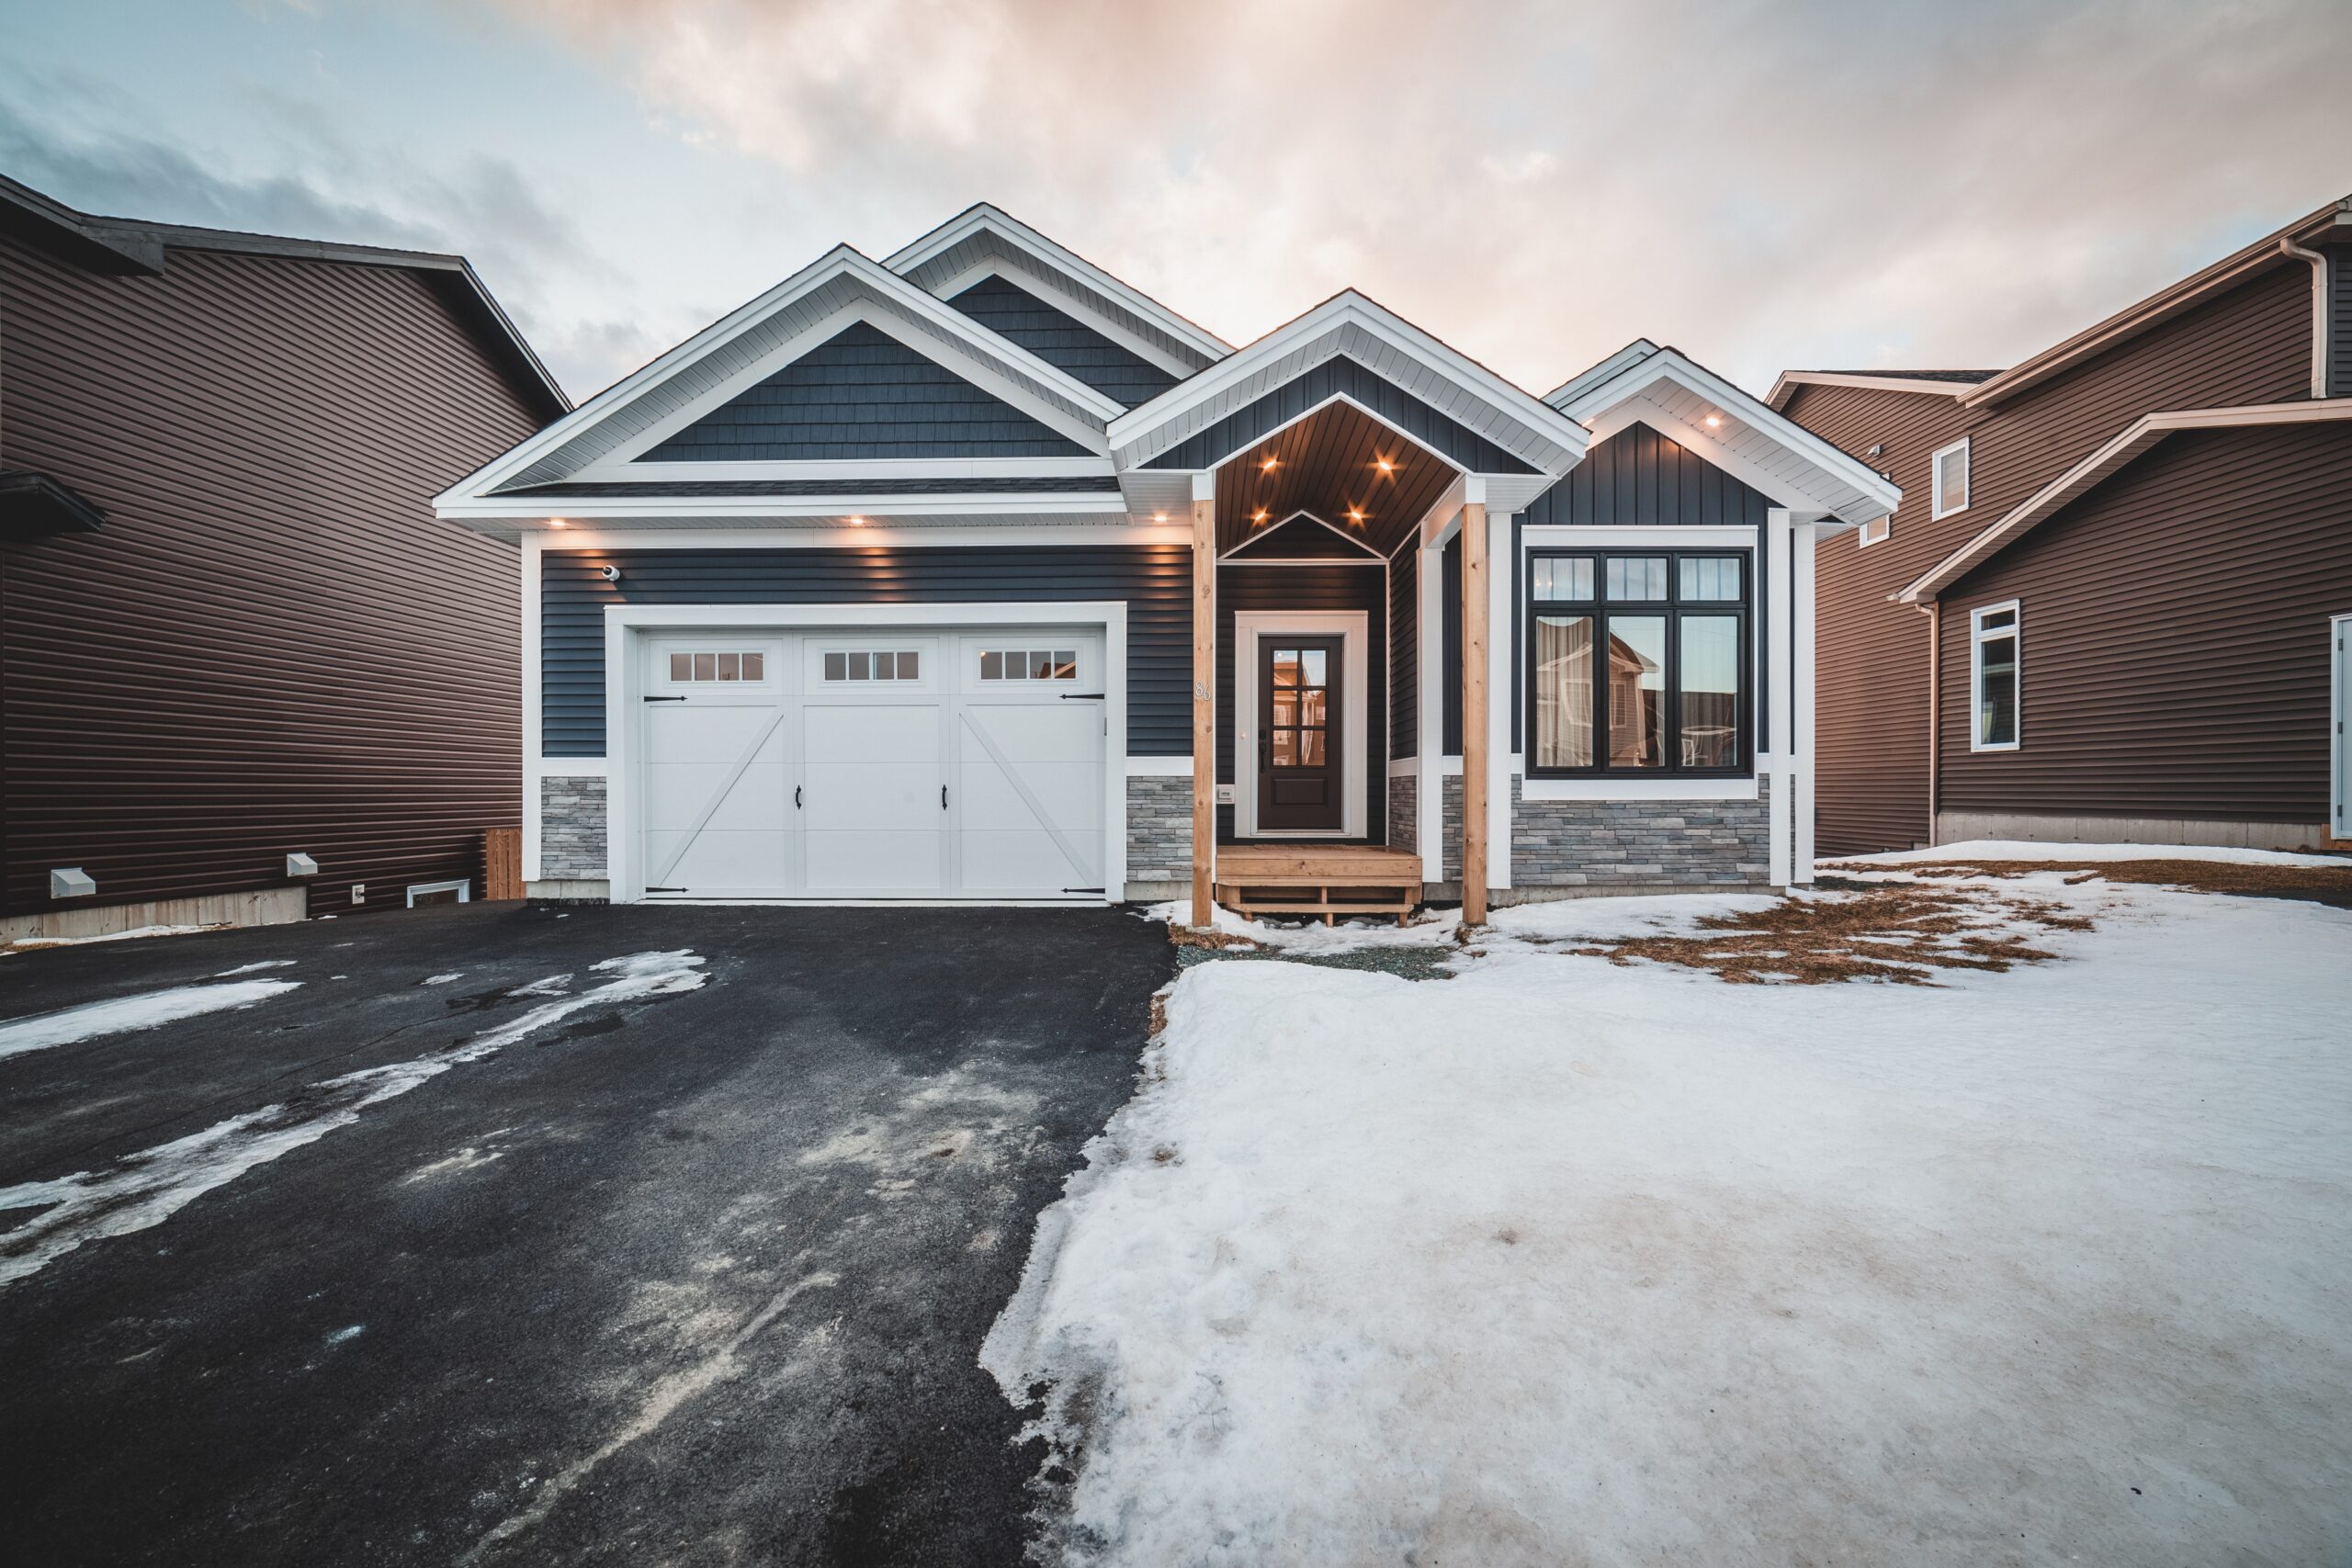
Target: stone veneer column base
1561,847
572,841
1159,837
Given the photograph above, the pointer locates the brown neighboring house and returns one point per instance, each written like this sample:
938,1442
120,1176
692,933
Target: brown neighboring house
232,631
2130,555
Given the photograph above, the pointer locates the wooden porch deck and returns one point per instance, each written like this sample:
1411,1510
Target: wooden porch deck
1317,879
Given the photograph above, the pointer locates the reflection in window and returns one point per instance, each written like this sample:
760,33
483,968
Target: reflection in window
1995,669
906,665
1562,576
1028,664
1709,685
1638,578
1637,691
716,666
1710,579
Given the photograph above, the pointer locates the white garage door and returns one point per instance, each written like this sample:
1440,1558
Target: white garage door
943,764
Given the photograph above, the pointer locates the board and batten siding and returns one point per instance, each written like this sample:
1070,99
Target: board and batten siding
2174,621
1308,586
2250,345
272,645
1154,580
1404,650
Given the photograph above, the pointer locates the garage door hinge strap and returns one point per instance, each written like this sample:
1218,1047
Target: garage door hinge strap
668,890
1081,697
665,699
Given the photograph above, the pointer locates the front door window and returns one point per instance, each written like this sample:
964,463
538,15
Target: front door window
1299,746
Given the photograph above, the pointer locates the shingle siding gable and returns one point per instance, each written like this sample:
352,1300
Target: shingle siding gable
1062,341
862,394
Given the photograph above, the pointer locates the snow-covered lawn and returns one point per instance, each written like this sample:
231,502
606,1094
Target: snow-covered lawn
1566,1261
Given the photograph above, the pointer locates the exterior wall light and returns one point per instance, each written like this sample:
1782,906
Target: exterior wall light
609,574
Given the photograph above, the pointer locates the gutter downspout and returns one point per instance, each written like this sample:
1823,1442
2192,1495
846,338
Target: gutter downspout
1932,609
2319,312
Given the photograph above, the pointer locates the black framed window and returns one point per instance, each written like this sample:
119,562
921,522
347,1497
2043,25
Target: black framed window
1639,663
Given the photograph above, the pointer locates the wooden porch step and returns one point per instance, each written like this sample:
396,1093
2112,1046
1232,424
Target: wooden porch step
1326,880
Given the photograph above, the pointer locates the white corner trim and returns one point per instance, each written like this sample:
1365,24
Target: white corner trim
1353,628
1638,789
1160,767
1404,767
571,767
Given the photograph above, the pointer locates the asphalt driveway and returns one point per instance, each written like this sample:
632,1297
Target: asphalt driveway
668,1261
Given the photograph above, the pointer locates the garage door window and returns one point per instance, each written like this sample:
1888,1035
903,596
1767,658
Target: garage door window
1028,664
715,665
903,665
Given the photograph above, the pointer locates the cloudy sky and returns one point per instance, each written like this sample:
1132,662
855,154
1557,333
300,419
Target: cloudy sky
1814,183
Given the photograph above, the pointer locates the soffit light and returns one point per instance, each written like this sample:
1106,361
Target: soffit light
857,522
1384,465
1355,513
1258,516
557,522
1715,420
1268,466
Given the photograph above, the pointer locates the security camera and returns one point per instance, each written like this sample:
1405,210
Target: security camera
609,574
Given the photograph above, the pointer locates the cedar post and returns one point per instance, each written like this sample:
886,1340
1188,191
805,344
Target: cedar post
1203,696
1474,713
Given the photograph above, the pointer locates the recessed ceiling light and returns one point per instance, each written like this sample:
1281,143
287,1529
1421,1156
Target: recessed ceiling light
1355,513
1714,418
1267,466
1385,466
557,522
857,522
1160,517
1258,516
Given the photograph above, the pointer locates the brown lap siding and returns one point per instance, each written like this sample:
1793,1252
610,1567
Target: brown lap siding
2176,652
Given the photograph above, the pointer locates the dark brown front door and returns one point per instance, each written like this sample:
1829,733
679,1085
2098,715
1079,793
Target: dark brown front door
1298,746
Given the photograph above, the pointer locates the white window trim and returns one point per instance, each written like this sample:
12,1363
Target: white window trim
463,887
1939,510
2339,751
1352,627
1885,526
2015,630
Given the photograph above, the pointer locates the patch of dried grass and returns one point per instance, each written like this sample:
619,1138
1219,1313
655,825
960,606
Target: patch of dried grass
1900,933
1202,936
2328,883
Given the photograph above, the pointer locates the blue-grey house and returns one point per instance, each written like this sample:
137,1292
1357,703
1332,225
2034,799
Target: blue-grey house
976,574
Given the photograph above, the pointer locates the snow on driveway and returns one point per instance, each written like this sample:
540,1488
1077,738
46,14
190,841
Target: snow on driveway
121,1015
1564,1261
148,1187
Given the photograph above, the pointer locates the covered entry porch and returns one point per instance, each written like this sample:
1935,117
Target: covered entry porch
1326,471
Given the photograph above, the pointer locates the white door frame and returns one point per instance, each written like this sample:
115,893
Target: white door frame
1352,629
2339,754
624,679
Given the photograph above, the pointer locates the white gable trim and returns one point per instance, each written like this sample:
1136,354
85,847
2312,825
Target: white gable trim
999,359
1794,467
1012,270
1451,382
1790,380
1362,550
621,462
984,218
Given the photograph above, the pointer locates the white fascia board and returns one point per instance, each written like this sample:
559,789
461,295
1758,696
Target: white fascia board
852,470
985,218
1790,380
848,504
2123,450
630,533
1616,364
1595,402
1136,428
840,262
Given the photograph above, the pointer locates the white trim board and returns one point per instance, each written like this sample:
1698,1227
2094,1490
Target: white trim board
1075,306
1354,629
624,624
820,537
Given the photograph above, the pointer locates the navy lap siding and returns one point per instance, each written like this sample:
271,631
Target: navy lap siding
862,394
1155,581
1062,341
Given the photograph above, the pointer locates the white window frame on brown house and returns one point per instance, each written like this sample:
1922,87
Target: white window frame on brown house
1940,505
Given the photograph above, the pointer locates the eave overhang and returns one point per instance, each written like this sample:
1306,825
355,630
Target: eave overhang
2135,441
33,505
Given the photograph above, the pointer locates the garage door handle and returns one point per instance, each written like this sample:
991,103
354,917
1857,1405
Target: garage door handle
943,798
665,699
1081,697
796,797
